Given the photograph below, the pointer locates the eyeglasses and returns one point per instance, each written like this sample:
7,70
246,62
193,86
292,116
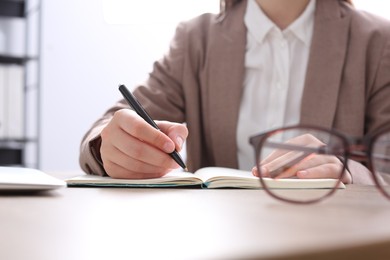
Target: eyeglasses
291,152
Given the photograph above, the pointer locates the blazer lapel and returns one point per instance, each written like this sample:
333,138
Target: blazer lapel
225,84
325,66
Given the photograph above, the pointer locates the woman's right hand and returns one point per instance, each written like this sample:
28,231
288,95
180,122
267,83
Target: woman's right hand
133,149
283,163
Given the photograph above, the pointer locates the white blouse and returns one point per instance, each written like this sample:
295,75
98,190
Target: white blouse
275,65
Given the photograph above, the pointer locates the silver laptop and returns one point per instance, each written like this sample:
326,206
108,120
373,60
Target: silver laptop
27,179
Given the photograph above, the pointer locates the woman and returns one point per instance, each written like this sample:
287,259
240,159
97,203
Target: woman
304,61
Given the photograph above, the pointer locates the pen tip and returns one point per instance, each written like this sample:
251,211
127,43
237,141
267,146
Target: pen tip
186,169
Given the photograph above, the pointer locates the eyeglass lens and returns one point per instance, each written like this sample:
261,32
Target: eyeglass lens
293,152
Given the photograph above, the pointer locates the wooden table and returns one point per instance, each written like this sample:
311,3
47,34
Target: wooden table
116,223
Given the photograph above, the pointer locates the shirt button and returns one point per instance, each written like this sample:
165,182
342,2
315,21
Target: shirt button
283,44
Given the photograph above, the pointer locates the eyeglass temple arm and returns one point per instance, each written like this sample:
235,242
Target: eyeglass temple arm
307,149
322,150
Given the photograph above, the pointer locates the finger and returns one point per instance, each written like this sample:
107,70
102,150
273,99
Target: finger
311,161
178,133
113,157
264,172
116,171
113,136
141,151
305,140
301,163
286,173
284,162
324,171
137,127
133,166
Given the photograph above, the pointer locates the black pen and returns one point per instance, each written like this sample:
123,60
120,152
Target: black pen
133,102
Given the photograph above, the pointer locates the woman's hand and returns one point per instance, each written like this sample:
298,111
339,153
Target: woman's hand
285,164
133,149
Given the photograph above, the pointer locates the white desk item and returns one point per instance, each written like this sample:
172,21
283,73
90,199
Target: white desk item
27,179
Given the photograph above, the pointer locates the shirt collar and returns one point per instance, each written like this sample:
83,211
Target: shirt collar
302,27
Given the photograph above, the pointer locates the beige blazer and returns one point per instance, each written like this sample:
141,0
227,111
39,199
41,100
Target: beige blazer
200,82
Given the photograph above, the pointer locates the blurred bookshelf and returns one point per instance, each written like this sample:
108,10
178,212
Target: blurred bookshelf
20,34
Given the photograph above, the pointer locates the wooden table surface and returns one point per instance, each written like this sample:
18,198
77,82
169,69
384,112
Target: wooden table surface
135,223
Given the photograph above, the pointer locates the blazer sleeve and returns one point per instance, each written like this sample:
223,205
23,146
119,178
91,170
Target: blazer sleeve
378,114
90,159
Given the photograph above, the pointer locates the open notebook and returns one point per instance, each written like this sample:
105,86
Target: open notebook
27,179
208,177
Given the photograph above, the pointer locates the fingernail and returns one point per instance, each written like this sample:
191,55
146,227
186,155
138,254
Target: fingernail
168,147
255,172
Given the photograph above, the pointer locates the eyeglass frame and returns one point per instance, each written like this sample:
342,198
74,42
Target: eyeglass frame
354,147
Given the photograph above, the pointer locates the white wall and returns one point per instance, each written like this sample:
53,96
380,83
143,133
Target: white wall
83,61
379,7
